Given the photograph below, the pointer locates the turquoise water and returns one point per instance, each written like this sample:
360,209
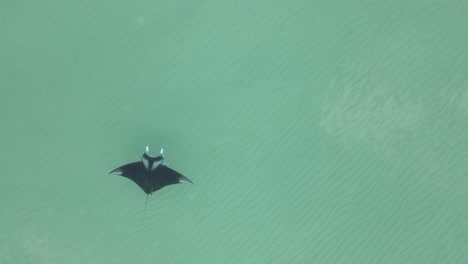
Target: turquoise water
314,131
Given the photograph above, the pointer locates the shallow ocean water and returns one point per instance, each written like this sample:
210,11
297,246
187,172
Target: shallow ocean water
314,131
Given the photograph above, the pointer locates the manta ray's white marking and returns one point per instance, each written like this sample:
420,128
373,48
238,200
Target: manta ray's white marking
156,164
184,181
145,163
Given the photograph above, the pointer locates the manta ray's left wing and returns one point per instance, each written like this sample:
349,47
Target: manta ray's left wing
135,172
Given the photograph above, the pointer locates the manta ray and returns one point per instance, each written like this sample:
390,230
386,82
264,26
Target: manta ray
150,173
